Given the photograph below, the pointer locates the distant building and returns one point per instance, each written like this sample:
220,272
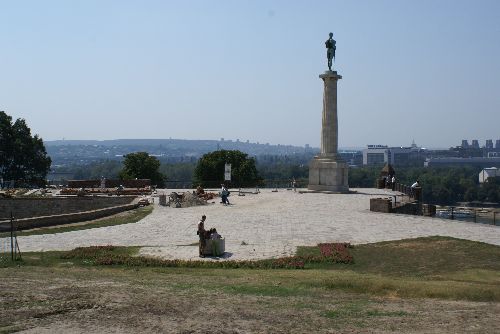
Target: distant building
475,143
353,158
459,162
487,173
493,154
497,144
376,155
382,154
489,144
465,143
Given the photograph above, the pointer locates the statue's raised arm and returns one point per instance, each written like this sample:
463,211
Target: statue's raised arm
330,50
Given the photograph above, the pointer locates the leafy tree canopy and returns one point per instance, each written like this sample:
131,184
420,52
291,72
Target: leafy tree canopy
110,169
209,171
23,157
440,185
141,165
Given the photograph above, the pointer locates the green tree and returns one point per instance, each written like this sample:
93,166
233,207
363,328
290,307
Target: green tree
6,145
489,191
141,165
440,185
181,171
109,169
23,157
274,168
209,170
365,177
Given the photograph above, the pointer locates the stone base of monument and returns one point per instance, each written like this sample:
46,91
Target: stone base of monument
328,174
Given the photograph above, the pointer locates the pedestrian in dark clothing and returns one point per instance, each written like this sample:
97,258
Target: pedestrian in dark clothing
201,233
224,194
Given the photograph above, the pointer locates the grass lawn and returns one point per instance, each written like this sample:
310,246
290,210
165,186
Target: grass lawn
424,267
428,284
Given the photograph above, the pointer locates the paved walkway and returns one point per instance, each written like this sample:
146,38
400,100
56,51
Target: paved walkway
271,224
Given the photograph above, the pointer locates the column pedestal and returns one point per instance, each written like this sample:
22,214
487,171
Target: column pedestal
327,171
329,175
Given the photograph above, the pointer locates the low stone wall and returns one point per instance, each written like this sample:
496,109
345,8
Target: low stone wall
84,183
28,207
411,208
28,223
429,210
407,209
381,205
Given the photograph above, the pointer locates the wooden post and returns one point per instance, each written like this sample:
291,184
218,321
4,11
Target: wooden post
11,236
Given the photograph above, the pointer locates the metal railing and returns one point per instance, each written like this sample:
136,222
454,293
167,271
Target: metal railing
413,193
475,215
266,183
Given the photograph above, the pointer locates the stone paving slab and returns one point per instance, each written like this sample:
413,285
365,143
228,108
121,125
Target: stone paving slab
271,224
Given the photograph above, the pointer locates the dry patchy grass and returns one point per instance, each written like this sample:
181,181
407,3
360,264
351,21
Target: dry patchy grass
376,294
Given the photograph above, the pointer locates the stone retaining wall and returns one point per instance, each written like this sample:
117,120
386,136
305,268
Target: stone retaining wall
28,223
48,206
411,208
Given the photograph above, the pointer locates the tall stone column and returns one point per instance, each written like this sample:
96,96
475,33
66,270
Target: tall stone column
327,171
329,126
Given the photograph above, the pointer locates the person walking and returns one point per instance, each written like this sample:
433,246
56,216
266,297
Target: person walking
201,233
224,193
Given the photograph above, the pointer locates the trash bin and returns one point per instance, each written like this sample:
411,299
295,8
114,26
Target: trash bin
215,247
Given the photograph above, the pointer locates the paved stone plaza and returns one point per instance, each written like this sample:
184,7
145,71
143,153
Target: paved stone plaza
272,224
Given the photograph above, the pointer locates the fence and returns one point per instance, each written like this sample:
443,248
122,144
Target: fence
178,184
475,215
9,248
266,183
413,193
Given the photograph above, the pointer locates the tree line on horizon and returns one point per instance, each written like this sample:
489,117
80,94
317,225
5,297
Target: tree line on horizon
23,159
440,185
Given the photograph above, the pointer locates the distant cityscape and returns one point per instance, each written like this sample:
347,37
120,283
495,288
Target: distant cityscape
461,155
82,152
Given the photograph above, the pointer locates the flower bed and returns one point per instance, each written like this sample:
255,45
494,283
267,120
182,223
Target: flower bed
111,255
337,251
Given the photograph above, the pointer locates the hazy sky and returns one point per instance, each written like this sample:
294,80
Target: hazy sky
422,70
